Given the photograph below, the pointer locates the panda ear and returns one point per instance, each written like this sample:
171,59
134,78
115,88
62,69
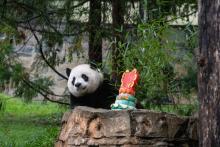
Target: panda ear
68,71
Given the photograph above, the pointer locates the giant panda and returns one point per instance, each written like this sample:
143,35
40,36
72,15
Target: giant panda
87,87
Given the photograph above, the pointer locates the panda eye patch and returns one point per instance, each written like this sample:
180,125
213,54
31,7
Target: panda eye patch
73,81
85,77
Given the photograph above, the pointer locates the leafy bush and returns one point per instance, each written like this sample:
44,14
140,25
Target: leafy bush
151,54
166,63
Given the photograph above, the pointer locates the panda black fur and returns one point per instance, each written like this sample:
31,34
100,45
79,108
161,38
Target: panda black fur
87,87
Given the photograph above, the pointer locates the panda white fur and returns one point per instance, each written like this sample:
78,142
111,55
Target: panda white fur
87,87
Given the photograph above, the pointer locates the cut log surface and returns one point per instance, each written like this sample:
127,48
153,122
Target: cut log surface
86,126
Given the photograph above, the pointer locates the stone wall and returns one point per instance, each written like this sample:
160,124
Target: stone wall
86,126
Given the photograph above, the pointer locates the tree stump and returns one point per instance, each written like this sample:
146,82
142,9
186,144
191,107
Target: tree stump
86,126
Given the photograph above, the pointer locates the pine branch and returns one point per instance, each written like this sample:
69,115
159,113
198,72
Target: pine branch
43,56
46,31
43,14
42,93
45,91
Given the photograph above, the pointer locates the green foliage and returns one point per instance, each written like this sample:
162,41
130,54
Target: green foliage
27,125
17,73
9,67
52,40
12,70
186,58
6,62
151,55
167,68
192,37
29,91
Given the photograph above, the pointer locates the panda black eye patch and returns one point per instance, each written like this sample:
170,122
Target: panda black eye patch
85,77
73,81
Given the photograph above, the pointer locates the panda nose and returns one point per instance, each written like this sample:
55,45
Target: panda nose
77,85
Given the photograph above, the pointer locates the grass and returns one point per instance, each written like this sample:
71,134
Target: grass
28,125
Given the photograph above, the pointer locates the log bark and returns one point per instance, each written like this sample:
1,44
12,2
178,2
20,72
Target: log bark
209,73
86,126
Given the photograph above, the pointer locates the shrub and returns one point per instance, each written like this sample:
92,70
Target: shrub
156,51
151,54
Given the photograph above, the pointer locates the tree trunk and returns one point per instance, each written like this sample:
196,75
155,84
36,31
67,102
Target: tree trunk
95,37
118,7
209,73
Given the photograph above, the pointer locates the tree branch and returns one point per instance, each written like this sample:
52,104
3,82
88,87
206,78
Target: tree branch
45,91
57,11
45,31
45,15
44,95
43,56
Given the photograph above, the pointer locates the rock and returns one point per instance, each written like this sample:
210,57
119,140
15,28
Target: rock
127,128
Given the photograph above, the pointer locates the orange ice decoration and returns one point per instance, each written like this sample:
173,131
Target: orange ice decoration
129,81
126,100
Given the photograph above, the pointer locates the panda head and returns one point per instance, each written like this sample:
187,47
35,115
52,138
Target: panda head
83,80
